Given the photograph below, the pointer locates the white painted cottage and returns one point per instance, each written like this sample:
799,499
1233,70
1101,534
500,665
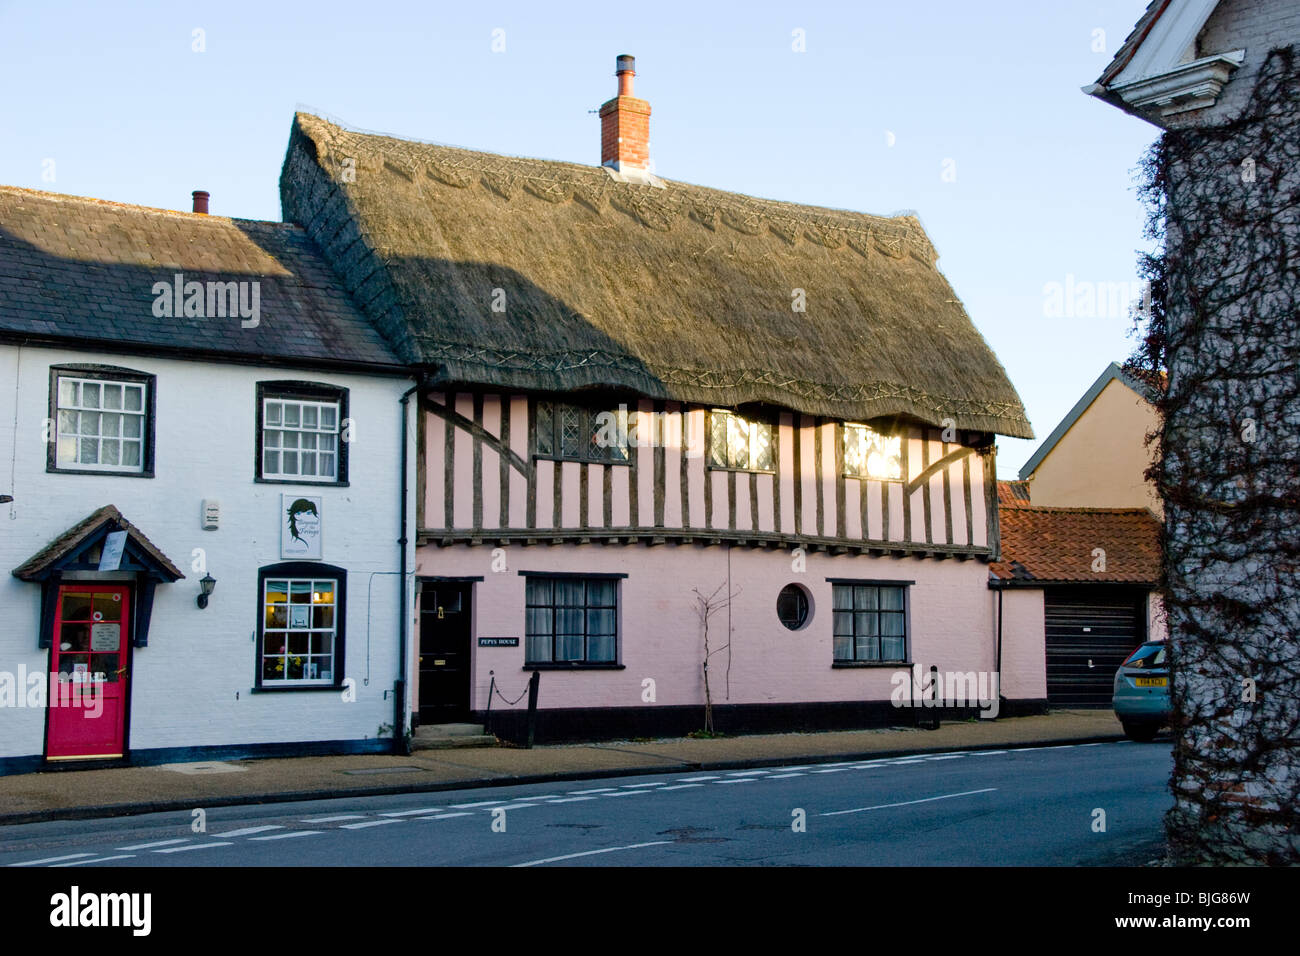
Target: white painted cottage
200,491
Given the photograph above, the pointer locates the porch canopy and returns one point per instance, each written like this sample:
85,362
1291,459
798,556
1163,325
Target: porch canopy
80,548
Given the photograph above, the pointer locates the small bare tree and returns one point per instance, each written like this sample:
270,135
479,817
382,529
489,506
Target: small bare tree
705,607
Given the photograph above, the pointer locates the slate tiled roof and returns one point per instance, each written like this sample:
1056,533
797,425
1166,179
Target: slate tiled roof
1139,33
1056,546
84,269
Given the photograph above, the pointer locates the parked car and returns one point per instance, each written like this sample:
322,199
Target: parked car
1141,698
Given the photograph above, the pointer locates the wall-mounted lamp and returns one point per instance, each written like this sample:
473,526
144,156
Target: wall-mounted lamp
207,583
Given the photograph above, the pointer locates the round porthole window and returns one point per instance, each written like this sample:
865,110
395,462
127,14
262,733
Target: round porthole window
792,606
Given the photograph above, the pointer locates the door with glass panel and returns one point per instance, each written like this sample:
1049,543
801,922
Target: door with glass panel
90,662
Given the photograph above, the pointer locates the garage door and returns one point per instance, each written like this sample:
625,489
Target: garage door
1089,633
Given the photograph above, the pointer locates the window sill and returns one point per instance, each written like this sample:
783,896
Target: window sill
96,471
586,461
300,481
295,690
741,471
849,665
567,666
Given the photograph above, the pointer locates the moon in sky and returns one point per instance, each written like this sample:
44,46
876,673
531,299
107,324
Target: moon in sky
889,138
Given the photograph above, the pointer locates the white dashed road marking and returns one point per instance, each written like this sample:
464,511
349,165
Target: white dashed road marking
337,816
248,831
908,803
290,835
785,776
368,823
574,856
196,846
102,859
680,786
52,859
446,816
150,846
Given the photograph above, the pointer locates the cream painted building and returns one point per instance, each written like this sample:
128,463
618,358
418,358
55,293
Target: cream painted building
1098,455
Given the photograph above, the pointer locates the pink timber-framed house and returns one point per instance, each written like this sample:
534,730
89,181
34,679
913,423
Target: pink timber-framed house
635,389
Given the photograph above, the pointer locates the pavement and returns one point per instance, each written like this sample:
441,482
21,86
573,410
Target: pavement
84,794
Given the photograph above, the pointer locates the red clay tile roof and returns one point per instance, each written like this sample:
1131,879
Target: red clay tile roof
1056,545
1013,494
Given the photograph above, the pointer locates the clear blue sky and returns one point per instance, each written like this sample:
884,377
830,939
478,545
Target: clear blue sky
1043,188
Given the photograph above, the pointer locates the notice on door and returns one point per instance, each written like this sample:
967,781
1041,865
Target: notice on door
105,637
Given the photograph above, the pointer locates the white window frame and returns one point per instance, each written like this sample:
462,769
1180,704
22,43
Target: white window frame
268,632
81,379
281,429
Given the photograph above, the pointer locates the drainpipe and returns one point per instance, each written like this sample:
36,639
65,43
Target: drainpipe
400,744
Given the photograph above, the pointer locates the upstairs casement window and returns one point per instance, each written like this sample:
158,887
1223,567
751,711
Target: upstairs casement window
102,420
301,433
740,444
872,454
581,433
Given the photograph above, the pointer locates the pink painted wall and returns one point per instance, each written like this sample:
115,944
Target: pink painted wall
1024,651
660,637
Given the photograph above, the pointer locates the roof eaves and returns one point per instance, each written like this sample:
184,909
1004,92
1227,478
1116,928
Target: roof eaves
1112,372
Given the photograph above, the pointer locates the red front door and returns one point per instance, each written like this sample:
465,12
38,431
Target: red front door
89,660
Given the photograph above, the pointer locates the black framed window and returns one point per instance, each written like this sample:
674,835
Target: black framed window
571,620
581,433
870,622
302,433
738,443
301,610
101,421
792,607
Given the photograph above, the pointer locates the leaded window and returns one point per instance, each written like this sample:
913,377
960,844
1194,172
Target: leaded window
740,443
872,454
581,433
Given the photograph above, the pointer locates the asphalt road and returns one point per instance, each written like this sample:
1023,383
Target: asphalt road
1032,807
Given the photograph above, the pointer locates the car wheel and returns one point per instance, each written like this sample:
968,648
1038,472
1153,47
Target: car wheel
1143,732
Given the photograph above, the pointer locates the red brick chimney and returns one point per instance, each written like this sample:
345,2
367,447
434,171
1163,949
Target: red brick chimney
200,201
625,124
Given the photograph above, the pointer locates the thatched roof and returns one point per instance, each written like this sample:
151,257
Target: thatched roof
679,292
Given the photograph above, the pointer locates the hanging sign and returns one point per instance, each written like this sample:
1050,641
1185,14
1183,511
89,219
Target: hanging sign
300,527
110,557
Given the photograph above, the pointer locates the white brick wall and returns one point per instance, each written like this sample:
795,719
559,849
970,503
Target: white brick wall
192,683
1256,26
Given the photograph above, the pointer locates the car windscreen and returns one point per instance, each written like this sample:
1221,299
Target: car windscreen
1147,656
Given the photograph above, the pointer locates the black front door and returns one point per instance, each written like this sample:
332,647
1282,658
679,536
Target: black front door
444,651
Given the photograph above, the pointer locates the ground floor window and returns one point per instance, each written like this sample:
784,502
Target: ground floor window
301,608
571,620
870,622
